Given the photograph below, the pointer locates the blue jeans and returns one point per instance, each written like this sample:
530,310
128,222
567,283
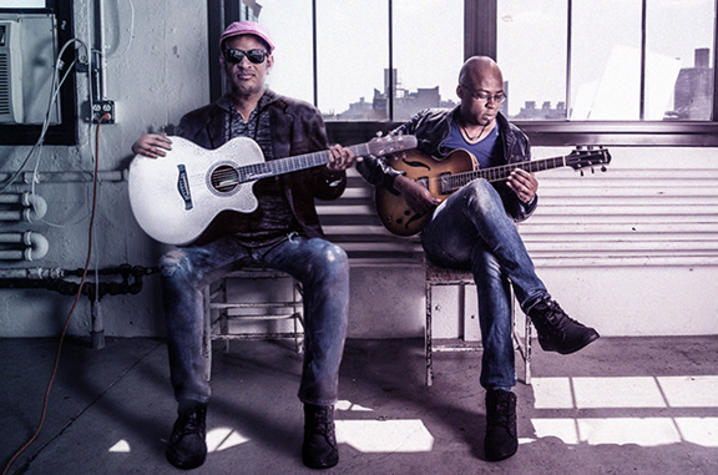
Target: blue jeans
321,266
471,230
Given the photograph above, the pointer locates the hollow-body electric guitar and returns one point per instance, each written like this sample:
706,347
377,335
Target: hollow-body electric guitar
460,167
174,198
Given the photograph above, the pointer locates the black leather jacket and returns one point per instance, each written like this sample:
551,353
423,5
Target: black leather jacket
297,128
431,127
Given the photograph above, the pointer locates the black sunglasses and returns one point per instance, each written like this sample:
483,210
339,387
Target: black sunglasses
234,56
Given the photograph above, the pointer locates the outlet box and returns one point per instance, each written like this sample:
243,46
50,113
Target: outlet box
100,108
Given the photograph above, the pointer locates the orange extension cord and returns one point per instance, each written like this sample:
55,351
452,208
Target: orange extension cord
77,299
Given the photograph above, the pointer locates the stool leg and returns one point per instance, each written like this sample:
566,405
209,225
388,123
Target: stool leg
527,345
207,334
427,338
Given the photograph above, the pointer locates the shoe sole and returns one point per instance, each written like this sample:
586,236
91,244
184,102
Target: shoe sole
567,351
184,463
500,457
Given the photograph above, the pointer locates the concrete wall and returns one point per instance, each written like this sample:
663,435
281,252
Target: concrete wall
656,279
157,69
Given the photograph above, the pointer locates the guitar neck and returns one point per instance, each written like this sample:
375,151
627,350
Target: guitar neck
281,166
453,182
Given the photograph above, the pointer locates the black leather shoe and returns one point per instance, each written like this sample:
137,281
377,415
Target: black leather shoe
501,441
187,447
556,331
320,446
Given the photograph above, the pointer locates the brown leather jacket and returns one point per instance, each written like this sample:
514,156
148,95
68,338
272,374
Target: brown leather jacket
296,128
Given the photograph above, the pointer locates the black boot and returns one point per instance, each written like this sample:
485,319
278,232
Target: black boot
558,332
320,446
187,447
501,441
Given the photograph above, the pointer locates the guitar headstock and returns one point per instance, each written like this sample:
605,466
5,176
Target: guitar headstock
588,157
391,143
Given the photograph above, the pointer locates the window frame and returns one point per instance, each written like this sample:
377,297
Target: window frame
480,38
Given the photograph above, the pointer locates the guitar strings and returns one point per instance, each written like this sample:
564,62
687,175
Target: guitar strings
229,177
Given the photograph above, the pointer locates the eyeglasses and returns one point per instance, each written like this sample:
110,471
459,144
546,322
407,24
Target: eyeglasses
483,96
234,56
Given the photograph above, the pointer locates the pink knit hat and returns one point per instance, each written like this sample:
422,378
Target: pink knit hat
246,28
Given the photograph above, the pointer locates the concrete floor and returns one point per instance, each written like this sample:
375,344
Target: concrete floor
623,405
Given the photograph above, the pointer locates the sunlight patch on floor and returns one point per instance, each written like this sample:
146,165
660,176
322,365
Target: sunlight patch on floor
122,446
646,432
631,391
690,391
626,393
223,438
344,405
400,435
699,430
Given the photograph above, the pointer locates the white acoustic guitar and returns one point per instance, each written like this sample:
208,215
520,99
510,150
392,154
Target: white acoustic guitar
174,198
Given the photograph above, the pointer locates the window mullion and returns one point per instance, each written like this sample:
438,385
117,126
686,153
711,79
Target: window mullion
314,53
642,93
391,63
714,117
569,33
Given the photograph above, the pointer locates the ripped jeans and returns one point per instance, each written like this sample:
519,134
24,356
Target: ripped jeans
321,266
471,230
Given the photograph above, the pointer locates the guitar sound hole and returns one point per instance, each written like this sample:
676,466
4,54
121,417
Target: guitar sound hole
224,178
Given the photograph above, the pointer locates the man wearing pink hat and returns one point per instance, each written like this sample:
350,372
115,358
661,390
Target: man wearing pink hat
283,233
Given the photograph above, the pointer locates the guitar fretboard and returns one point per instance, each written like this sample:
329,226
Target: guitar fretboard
451,183
281,166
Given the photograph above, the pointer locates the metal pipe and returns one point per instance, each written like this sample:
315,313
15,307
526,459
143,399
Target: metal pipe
36,246
70,177
33,273
35,207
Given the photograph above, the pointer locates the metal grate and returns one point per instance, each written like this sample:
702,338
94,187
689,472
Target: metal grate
4,83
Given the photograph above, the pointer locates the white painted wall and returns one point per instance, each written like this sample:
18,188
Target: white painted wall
656,280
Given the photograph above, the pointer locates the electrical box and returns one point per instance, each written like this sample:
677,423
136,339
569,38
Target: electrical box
28,47
11,110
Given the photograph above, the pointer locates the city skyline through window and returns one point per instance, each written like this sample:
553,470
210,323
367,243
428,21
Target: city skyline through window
600,67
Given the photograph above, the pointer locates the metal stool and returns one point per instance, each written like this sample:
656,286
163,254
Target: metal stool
220,314
436,276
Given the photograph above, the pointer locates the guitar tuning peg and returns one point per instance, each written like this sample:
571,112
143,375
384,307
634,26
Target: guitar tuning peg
592,170
581,172
379,133
603,168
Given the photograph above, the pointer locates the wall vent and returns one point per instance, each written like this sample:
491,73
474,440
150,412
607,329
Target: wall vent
11,99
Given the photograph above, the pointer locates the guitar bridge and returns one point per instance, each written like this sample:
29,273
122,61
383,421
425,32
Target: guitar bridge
183,187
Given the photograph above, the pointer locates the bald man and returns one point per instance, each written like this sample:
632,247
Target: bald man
474,229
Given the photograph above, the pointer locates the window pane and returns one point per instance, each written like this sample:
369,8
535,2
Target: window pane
679,77
426,69
290,24
352,53
606,60
531,52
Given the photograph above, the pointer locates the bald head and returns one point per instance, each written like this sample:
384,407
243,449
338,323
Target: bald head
479,68
481,90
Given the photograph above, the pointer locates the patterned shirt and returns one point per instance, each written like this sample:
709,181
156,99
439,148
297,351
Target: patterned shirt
273,219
